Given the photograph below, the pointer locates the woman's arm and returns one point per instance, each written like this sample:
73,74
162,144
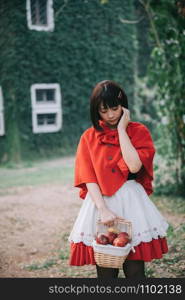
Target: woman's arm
106,215
129,153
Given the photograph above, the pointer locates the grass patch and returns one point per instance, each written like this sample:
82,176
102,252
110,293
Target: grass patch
149,272
174,261
64,255
37,175
46,265
64,251
171,204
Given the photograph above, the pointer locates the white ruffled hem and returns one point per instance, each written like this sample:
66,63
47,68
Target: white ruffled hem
130,202
143,237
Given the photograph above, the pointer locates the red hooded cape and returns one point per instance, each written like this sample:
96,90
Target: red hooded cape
99,159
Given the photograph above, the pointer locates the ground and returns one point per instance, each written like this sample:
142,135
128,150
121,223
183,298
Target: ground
35,223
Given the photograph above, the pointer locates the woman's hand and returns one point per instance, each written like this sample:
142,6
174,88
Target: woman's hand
125,119
107,216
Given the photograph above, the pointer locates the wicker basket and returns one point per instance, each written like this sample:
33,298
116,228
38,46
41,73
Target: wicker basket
109,256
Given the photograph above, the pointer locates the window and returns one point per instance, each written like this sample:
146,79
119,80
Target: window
2,130
46,119
47,95
40,15
46,107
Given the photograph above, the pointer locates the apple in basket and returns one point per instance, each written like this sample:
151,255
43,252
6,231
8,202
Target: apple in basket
124,235
118,242
121,240
102,239
111,236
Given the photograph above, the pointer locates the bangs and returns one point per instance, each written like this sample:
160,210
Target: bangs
109,102
109,97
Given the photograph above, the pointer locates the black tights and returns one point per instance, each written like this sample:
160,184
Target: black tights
131,269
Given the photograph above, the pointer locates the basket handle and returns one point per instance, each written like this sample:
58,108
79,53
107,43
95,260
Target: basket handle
129,225
119,220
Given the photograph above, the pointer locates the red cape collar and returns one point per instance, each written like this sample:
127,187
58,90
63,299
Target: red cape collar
108,135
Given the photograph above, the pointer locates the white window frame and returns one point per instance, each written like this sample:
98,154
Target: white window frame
39,107
50,17
2,127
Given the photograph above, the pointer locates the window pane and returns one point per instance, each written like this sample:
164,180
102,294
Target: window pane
50,95
51,118
43,11
45,95
40,95
40,119
39,12
46,119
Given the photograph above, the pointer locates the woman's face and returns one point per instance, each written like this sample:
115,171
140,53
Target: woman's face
110,115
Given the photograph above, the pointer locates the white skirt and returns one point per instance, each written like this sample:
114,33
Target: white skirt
130,202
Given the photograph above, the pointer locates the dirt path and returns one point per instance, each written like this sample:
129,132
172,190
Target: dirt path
35,222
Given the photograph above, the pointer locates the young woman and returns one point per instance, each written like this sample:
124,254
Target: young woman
114,171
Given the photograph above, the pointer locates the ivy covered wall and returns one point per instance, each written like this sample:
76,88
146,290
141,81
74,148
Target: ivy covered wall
89,44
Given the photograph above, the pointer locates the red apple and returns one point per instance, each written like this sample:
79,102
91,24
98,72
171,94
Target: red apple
119,242
124,236
111,236
102,239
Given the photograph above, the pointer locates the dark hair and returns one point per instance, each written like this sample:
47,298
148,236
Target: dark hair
110,94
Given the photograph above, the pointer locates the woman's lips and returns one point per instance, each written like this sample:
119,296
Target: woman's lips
110,121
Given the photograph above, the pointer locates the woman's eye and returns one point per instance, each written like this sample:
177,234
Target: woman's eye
115,108
103,110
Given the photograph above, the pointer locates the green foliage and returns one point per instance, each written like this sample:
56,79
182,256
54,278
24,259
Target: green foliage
89,44
166,75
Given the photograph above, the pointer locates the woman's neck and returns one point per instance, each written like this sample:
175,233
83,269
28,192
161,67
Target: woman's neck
111,127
